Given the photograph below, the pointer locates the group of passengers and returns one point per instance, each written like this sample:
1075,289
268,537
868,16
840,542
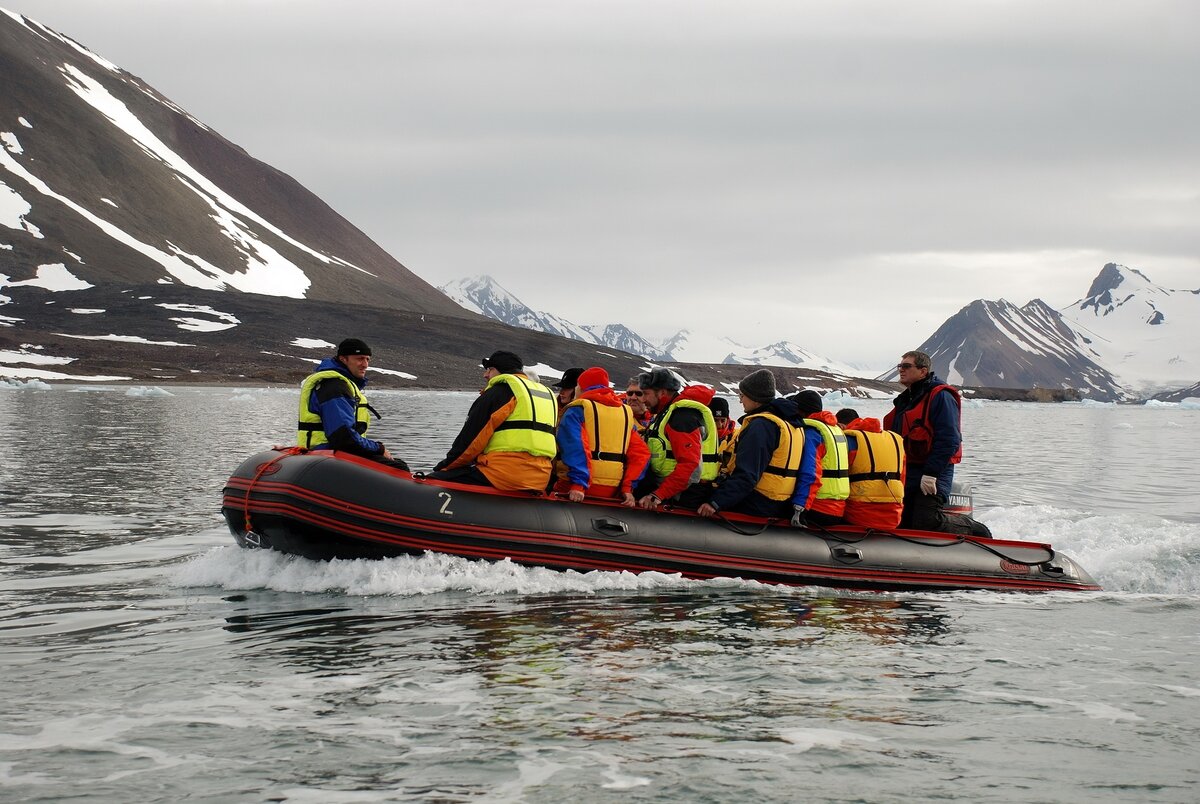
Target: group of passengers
664,443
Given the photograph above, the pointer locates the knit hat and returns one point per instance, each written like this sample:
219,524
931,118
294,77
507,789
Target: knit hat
504,362
719,406
353,346
808,401
570,378
660,378
759,386
595,377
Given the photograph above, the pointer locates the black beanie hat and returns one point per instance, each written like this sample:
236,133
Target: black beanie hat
808,401
759,386
719,406
353,346
504,362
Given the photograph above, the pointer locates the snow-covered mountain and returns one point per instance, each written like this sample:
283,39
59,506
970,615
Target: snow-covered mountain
1148,336
101,173
1127,338
136,243
686,346
786,353
619,336
996,344
483,294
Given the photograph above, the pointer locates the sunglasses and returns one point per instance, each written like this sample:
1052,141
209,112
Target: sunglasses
906,366
633,393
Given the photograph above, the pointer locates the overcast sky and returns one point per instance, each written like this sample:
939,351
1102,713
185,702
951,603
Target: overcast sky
843,174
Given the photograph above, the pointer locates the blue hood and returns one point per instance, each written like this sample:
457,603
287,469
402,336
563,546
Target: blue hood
333,364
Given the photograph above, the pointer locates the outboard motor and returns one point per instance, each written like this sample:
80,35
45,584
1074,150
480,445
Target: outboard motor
962,498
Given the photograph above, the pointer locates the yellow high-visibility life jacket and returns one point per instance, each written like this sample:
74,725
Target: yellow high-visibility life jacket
662,459
778,480
875,471
835,474
608,431
310,431
530,427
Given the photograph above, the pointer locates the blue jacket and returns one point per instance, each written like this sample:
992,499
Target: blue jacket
806,477
332,402
756,442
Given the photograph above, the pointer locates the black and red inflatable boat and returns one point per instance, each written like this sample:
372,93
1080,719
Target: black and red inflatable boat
326,505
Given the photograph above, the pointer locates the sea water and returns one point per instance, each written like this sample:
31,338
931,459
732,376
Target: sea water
146,658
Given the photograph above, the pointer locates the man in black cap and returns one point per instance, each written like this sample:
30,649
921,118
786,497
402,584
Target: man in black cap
566,388
334,413
507,440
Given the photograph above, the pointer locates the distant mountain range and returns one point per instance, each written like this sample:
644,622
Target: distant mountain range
483,294
1127,338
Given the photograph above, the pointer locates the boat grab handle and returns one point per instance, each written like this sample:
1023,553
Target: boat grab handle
610,527
844,552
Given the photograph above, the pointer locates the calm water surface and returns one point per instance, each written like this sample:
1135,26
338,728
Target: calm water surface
145,658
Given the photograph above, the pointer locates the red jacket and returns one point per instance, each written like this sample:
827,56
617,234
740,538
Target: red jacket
683,433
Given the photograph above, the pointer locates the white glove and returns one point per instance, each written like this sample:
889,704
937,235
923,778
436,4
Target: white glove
798,516
928,484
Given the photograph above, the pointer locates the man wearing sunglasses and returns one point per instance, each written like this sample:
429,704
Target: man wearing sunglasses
927,415
637,404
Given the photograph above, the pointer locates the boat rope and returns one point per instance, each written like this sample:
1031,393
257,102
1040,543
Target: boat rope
259,473
733,526
951,542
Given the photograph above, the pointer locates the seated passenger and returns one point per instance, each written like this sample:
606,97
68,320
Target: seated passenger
508,438
599,448
683,442
633,398
726,426
334,413
876,475
566,388
825,500
766,454
845,416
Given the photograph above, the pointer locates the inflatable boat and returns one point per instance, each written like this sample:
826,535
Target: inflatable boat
326,505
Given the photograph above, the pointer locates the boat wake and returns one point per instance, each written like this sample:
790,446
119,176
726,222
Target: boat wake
235,568
1132,552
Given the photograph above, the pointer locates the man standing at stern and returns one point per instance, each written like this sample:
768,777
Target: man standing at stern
927,415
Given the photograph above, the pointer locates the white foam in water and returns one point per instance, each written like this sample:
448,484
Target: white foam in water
1123,552
808,739
236,568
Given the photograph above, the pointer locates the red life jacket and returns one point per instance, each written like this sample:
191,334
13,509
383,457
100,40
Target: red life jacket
918,437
